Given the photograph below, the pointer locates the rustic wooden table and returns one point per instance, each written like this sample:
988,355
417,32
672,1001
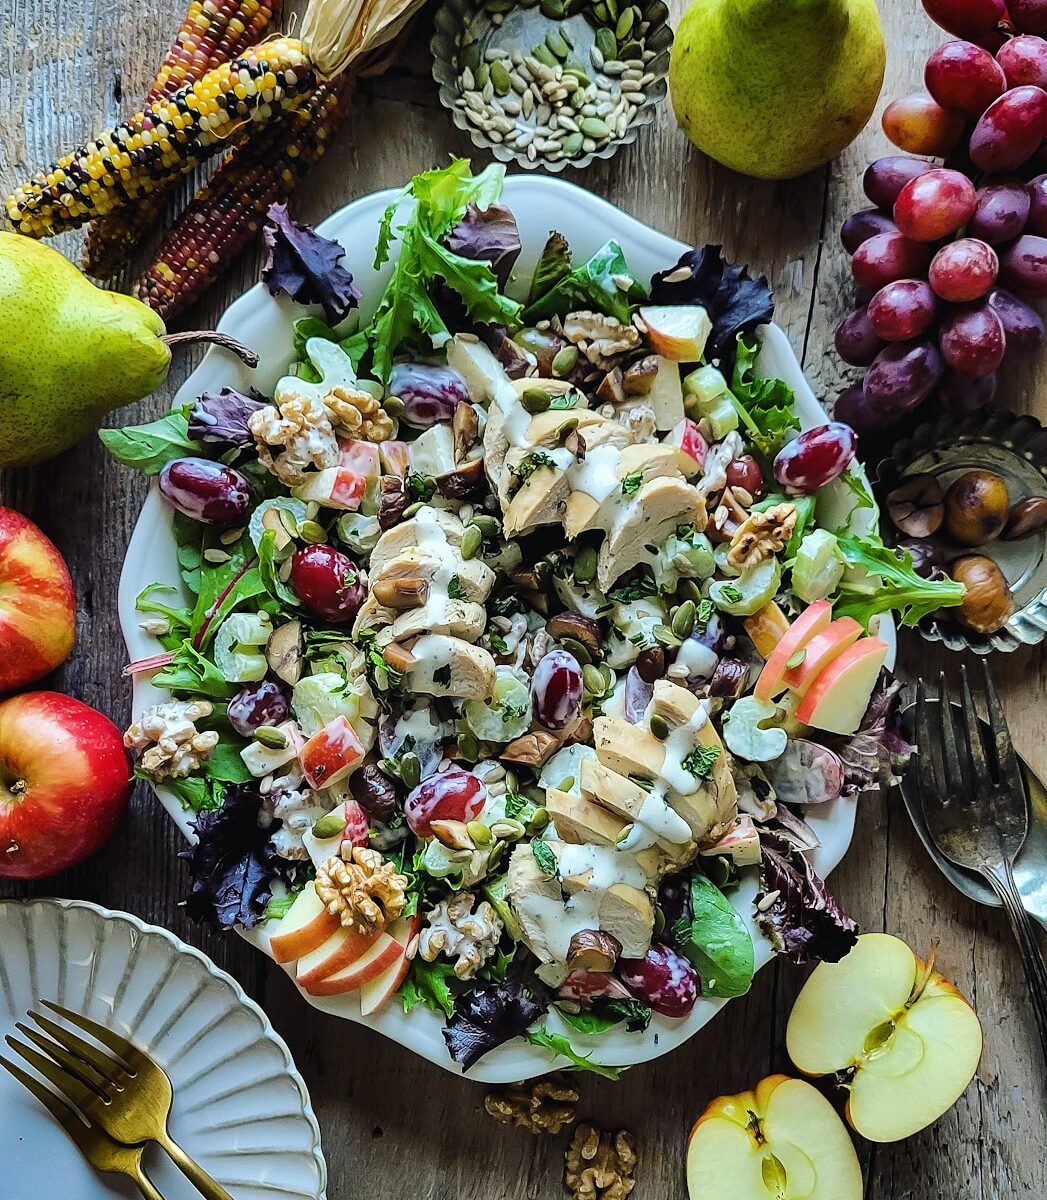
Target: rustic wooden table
393,1124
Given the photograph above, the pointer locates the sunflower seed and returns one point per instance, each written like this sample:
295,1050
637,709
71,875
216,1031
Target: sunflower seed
631,76
637,98
543,113
532,153
559,96
495,136
468,80
511,105
518,82
527,103
545,144
647,55
285,571
603,109
633,64
473,101
588,110
488,92
647,79
614,67
597,57
497,19
477,118
588,145
503,125
568,123
495,53
216,556
524,138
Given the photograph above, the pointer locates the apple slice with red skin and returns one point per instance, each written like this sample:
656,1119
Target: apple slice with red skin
304,928
376,993
838,698
686,436
782,1139
820,651
342,949
382,953
677,331
328,756
814,618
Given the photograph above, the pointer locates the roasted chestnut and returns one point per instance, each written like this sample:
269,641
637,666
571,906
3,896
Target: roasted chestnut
917,506
1026,516
987,603
976,507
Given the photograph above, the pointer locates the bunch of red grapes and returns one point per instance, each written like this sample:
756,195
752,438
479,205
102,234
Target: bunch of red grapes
949,257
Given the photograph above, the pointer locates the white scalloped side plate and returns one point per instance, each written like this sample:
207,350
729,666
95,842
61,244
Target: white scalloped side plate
264,323
240,1107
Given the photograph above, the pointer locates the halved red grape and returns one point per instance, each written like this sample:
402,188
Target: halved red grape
1030,16
206,491
1023,266
1024,61
903,376
972,340
1000,212
886,177
263,703
816,457
1022,324
857,342
902,310
450,796
964,270
964,78
328,583
1036,190
961,394
556,690
663,979
886,257
429,392
1010,129
864,225
934,205
919,125
972,19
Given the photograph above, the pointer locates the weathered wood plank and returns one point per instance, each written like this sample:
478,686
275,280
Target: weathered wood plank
393,1124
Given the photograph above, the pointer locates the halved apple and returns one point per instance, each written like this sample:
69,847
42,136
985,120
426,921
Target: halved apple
306,926
827,644
814,618
782,1139
381,954
907,1037
329,756
343,948
836,701
677,331
376,993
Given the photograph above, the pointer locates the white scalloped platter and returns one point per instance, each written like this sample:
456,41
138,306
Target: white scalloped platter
264,323
240,1107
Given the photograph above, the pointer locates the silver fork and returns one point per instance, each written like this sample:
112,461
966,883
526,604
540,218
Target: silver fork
976,809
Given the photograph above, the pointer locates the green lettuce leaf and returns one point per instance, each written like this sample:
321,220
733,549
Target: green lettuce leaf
594,284
149,448
764,406
605,1014
428,984
553,264
713,937
541,1036
194,673
884,580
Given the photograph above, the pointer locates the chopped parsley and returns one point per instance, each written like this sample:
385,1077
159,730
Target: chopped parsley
421,487
641,588
510,712
515,804
530,463
632,483
498,643
731,594
567,400
701,760
455,591
703,615
545,858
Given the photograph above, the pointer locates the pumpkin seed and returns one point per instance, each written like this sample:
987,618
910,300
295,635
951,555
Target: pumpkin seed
329,826
508,828
594,127
592,681
472,540
612,9
565,360
312,532
575,6
600,11
624,835
553,9
489,526
625,24
606,44
572,144
411,509
470,56
585,565
659,726
410,770
575,647
272,737
500,6
483,75
539,821
689,587
535,400
683,619
503,85
557,45
288,521
630,50
479,832
566,429
394,406
664,635
468,747
544,55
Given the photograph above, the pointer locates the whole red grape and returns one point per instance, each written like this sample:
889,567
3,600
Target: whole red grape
903,376
854,408
919,125
887,257
816,457
864,225
1030,16
1022,324
663,979
960,394
857,342
886,177
964,270
1010,129
972,340
328,583
902,310
975,20
934,205
1024,60
453,795
1000,212
745,472
1036,190
964,78
1023,266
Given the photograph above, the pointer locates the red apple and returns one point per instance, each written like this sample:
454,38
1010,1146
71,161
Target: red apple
344,947
826,645
380,955
65,779
328,756
810,622
838,698
37,605
677,331
376,993
688,438
306,927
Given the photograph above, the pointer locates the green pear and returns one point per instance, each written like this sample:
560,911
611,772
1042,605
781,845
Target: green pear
775,88
70,352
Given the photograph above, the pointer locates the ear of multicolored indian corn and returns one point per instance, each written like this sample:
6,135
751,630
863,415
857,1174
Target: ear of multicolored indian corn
230,209
168,138
212,32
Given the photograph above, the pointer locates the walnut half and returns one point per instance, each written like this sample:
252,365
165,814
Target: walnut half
599,1165
365,893
761,535
540,1105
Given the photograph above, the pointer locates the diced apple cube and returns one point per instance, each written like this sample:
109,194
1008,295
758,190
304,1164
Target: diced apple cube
741,843
330,755
432,453
264,760
677,331
686,436
395,458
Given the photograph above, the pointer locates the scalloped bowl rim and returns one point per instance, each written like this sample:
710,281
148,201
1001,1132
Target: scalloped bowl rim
539,203
147,930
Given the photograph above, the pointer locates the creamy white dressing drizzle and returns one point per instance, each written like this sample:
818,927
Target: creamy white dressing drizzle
656,822
333,364
717,461
678,745
696,659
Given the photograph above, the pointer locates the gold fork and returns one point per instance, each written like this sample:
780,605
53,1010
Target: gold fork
129,1096
100,1150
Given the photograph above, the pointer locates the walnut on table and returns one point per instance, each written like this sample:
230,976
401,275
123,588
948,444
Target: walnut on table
455,930
544,1105
599,1165
365,893
170,745
761,535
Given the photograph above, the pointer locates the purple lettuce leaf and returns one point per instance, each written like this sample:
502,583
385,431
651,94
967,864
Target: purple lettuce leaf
232,865
488,235
221,418
305,266
736,303
876,755
489,1015
804,923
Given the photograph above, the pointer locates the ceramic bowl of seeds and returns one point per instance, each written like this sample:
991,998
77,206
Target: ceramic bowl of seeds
551,83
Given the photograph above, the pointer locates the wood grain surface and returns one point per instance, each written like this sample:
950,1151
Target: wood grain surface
394,1125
